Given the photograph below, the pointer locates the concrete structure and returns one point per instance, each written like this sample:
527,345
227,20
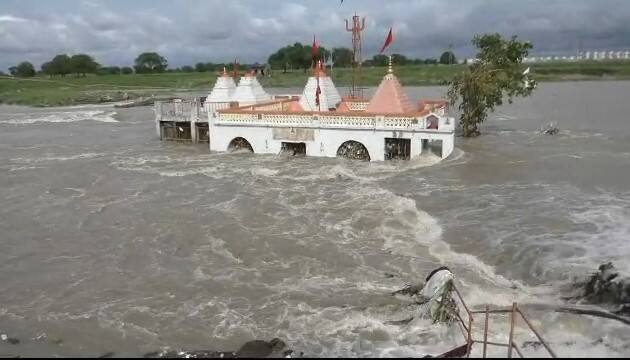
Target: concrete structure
315,123
388,126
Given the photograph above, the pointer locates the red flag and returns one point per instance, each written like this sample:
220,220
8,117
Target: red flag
388,41
317,92
314,48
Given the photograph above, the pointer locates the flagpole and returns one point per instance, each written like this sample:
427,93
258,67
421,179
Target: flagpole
319,102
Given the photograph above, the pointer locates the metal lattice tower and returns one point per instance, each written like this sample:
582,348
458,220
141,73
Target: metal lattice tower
358,24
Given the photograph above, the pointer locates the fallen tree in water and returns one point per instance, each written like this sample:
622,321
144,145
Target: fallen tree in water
604,287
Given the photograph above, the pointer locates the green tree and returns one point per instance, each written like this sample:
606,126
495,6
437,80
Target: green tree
295,56
82,64
380,60
448,58
201,67
150,62
23,69
187,69
483,85
60,65
126,70
342,57
399,59
47,69
109,70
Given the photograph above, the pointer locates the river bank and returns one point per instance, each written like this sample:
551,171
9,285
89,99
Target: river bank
47,92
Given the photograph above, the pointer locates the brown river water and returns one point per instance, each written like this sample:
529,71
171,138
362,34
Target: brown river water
112,241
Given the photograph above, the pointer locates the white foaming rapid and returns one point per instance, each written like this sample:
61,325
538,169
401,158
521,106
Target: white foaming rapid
58,117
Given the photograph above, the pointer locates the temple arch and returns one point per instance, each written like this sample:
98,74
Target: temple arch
354,150
239,144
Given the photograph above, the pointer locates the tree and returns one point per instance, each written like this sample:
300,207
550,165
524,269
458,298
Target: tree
483,85
82,64
187,68
201,67
150,62
448,58
47,69
126,70
60,65
295,56
109,70
380,60
23,69
342,57
399,59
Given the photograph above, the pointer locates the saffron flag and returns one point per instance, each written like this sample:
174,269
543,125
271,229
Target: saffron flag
314,48
388,41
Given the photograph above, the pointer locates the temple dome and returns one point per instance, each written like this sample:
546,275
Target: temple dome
329,97
250,92
390,98
223,89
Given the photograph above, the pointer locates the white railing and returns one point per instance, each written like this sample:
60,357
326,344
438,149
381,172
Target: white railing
401,122
178,109
322,121
293,120
347,121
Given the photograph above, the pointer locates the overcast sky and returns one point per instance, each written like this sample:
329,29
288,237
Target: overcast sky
189,31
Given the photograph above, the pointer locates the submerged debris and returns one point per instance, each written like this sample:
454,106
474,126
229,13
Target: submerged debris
353,150
604,287
435,297
550,129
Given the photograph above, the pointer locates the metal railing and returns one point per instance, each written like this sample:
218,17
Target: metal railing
514,311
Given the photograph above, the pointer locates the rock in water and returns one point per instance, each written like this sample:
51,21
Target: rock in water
252,349
260,348
604,287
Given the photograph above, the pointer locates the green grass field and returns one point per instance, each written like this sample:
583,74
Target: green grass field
43,91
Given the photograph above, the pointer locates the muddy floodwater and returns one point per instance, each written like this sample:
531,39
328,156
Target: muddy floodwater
112,241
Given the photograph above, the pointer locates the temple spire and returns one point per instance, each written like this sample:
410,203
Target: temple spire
390,69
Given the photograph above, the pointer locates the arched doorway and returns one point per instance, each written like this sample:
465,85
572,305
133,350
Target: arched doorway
353,150
240,144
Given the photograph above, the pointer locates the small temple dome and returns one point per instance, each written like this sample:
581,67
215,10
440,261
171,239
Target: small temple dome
329,96
223,89
250,92
390,97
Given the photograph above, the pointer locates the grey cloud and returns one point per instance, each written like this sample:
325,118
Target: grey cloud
196,30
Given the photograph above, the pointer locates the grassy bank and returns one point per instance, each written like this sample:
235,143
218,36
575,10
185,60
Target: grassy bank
43,91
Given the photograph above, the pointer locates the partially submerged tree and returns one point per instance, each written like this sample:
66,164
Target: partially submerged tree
497,75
